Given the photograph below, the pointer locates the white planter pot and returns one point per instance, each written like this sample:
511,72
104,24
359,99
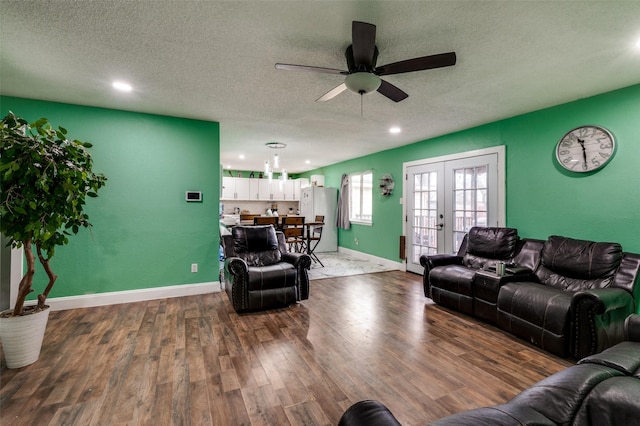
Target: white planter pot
22,338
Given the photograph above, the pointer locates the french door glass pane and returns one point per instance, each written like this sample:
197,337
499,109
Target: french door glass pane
425,215
470,201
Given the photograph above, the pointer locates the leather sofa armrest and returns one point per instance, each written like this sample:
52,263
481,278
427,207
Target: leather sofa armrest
599,317
235,281
297,259
603,299
302,263
632,328
435,260
368,413
431,261
236,266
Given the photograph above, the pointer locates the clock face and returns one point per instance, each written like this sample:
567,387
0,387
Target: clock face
585,149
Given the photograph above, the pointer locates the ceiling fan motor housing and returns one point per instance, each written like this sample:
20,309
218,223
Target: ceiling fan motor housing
351,62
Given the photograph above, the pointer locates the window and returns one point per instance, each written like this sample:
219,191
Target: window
361,197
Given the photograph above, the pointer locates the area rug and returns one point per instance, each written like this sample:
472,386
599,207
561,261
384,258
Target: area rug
338,264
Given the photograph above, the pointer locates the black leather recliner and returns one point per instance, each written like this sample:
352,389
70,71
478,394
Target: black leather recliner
259,273
448,279
579,297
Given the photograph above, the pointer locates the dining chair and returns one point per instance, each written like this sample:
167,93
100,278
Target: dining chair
266,220
313,239
293,229
247,217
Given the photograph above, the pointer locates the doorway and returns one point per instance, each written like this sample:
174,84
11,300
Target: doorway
446,196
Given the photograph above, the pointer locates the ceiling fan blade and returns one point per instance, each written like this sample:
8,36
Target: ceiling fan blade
418,64
392,92
363,40
332,93
291,67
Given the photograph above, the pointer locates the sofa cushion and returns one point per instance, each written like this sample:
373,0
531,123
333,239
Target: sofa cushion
454,278
256,245
578,264
612,402
490,243
544,307
278,275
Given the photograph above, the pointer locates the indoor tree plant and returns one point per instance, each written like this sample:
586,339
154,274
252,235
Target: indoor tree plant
45,180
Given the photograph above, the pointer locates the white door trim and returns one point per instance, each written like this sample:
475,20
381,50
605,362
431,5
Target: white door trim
499,150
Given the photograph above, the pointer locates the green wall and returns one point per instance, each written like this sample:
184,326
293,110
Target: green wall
541,199
144,234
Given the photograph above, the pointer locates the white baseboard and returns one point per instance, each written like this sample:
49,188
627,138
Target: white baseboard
129,296
386,262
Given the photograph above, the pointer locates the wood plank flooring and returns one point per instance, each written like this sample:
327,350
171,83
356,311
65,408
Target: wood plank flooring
194,361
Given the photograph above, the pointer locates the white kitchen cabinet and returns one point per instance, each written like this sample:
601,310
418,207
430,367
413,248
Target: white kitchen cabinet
289,190
235,188
252,189
271,191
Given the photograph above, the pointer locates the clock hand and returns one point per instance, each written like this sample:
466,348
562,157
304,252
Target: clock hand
584,151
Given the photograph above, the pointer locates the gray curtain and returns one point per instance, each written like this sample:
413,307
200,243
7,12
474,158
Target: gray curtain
343,204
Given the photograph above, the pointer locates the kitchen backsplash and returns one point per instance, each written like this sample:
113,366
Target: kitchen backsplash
260,207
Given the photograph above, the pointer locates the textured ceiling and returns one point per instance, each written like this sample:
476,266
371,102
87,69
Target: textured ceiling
214,60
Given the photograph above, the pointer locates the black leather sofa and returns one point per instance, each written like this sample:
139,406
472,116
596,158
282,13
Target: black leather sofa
259,272
567,296
601,389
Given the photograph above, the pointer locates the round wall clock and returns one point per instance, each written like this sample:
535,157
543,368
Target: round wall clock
585,149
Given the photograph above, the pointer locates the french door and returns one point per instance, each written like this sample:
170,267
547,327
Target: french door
447,196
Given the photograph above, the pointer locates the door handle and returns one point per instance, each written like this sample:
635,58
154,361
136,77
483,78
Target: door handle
440,226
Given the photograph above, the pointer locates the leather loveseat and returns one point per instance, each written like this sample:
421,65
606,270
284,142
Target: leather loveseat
601,389
569,297
259,273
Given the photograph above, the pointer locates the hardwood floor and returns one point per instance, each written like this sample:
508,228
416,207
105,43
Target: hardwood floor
194,361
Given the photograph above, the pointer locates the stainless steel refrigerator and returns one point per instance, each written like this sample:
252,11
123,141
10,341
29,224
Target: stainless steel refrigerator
318,200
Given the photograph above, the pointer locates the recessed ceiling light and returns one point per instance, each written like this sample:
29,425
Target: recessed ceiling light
122,86
395,130
241,156
307,161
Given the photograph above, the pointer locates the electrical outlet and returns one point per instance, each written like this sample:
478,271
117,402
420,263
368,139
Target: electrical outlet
355,240
194,267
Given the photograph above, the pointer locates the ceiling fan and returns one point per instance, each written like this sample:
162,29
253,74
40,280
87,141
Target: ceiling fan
363,75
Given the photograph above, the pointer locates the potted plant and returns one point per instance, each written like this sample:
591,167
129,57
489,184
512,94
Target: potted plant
45,179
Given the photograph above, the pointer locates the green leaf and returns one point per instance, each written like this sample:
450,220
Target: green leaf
33,205
92,194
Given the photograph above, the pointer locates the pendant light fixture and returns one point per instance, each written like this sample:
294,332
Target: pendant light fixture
273,163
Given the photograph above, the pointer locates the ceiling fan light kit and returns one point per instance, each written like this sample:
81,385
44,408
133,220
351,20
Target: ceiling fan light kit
363,75
362,82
